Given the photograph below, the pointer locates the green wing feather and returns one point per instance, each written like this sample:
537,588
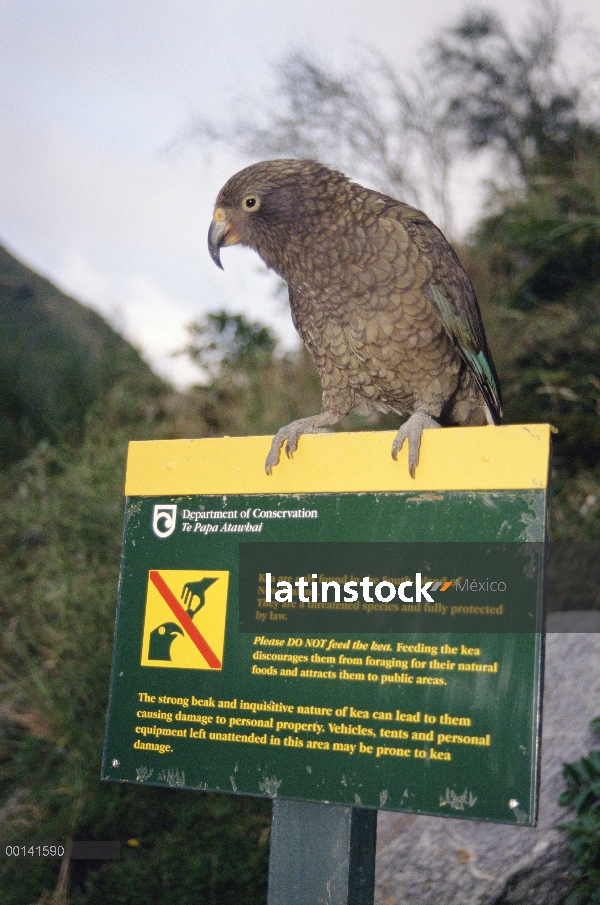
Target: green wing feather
453,297
463,324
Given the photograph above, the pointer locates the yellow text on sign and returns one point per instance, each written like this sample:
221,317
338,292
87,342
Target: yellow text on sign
184,622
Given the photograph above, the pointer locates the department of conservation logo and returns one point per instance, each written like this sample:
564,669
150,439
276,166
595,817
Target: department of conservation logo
164,519
184,622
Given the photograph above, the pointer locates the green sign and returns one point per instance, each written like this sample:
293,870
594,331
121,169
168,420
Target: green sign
336,642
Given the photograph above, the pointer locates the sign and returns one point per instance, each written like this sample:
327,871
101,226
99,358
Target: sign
336,632
175,597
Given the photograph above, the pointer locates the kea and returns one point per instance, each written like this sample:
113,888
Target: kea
377,294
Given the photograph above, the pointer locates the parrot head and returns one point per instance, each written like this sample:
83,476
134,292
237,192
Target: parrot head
263,204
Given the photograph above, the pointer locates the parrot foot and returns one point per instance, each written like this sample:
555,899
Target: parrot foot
412,430
291,433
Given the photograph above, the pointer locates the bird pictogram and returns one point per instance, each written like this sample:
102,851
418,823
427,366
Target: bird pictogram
161,639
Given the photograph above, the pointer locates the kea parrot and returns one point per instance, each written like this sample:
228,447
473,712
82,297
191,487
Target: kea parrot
377,294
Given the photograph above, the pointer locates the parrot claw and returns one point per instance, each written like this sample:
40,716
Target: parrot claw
285,435
411,430
291,433
272,458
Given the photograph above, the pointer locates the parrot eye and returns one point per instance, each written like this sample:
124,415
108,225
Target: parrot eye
250,203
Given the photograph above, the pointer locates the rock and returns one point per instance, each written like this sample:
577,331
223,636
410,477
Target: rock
440,861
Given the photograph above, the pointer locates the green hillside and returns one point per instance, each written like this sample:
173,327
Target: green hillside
72,394
57,358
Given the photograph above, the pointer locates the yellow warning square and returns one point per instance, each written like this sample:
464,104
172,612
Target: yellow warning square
184,624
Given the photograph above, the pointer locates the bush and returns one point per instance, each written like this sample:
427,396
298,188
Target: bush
60,540
583,794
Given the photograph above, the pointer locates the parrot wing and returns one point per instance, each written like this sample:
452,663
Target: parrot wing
449,290
463,325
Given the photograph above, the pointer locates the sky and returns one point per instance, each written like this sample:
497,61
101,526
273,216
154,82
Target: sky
100,191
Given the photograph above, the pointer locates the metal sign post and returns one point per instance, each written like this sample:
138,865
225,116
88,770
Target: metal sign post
337,636
321,853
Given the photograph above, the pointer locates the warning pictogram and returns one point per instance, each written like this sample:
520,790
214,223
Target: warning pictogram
184,624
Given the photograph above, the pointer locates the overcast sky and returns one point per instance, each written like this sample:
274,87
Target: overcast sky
93,91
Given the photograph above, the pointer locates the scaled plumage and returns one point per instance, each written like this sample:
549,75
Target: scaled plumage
377,294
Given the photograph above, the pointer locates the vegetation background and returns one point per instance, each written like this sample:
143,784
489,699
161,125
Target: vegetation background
73,393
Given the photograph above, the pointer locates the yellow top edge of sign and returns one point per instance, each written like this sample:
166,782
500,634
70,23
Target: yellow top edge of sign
514,457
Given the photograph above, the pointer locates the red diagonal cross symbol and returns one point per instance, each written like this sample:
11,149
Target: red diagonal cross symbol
186,623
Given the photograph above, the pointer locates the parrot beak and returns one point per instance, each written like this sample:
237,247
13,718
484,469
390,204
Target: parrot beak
219,234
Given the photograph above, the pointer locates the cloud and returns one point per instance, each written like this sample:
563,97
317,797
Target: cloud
90,93
126,234
143,312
